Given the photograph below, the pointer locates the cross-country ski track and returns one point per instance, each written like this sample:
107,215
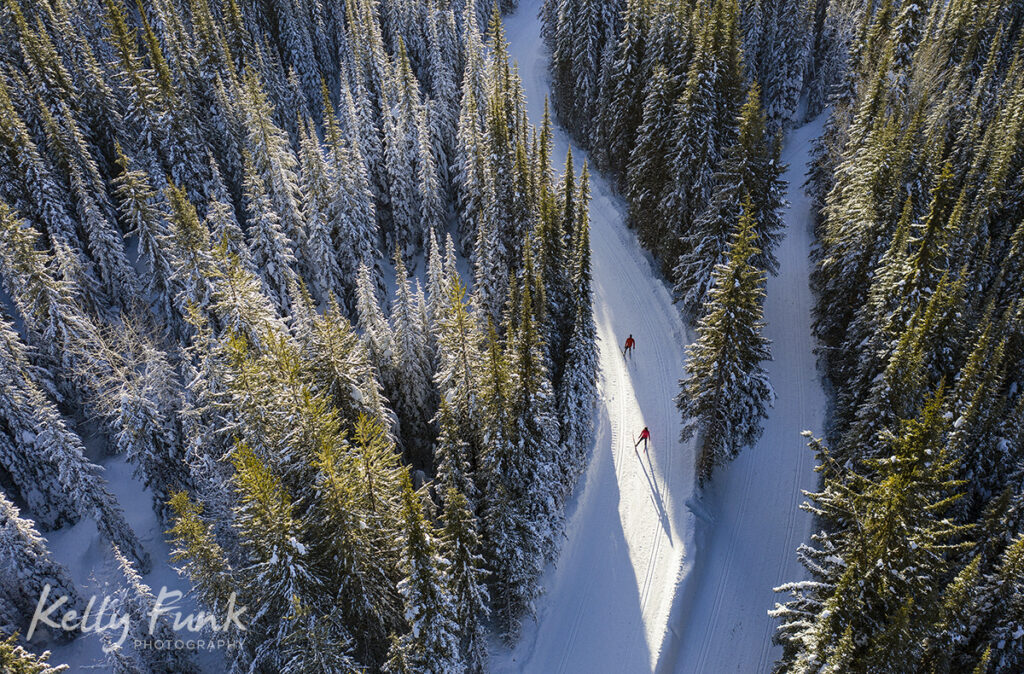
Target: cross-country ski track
642,583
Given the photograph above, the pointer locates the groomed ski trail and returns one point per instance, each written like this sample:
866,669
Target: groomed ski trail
629,535
722,626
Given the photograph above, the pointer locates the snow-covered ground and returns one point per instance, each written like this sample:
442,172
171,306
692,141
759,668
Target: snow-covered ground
749,546
92,565
630,534
653,575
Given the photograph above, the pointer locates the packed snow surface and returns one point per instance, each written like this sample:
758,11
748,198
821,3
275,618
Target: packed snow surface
655,575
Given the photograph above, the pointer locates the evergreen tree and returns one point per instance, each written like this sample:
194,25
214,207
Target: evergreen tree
522,473
272,534
401,147
648,171
466,573
17,660
272,250
577,391
191,259
203,560
694,152
725,396
28,570
433,643
750,169
893,543
319,205
146,628
413,393
142,217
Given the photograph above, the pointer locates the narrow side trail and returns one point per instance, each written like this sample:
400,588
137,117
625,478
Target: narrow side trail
749,547
629,533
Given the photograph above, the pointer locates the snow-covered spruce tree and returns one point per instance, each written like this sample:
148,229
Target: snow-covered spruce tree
751,169
375,329
552,238
433,212
460,545
222,221
281,571
103,241
523,517
77,479
647,172
726,395
619,121
456,378
27,570
16,660
49,306
979,405
145,628
319,187
137,400
1005,597
436,286
191,257
355,227
31,475
443,68
433,642
472,179
201,558
413,394
577,390
777,37
338,366
142,217
578,32
273,161
357,523
272,250
875,573
29,184
401,148
452,454
694,151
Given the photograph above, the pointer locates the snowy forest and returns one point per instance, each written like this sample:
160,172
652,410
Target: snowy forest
199,206
309,307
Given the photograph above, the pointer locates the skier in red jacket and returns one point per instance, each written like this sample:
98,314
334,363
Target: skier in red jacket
645,435
630,344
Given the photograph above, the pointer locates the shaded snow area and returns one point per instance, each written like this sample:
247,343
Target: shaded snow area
653,575
91,563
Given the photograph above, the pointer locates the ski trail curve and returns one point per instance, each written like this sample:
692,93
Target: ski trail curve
750,548
608,598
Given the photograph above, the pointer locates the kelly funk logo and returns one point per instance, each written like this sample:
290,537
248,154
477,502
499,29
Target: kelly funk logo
106,619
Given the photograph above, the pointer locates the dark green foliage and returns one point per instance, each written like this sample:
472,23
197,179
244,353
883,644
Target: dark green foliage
727,393
917,241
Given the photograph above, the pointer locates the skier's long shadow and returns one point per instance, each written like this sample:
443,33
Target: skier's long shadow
656,494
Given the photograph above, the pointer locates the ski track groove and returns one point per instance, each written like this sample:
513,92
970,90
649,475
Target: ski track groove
621,459
795,492
716,609
795,496
659,360
650,559
563,665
